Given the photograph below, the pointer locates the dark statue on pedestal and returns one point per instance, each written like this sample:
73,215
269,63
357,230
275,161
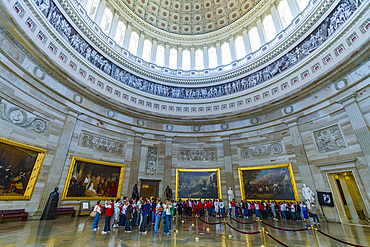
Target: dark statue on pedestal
50,210
168,193
135,193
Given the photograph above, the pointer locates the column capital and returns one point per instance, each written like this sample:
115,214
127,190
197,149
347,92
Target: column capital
225,137
73,112
350,99
169,138
139,134
291,122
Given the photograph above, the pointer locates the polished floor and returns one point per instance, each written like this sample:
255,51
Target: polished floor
66,231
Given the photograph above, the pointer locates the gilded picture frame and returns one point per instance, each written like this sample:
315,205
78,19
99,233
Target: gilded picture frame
31,174
200,171
269,167
68,196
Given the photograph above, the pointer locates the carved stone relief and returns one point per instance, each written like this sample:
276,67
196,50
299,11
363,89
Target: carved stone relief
329,139
151,161
261,150
19,117
197,155
100,143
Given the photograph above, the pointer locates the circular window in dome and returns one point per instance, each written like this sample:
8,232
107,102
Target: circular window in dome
246,6
198,29
218,1
143,1
186,18
210,26
175,17
207,4
197,6
220,11
177,5
221,22
166,2
209,15
231,4
197,18
187,7
164,14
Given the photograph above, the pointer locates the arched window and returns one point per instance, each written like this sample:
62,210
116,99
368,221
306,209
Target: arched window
106,20
226,55
91,7
212,57
239,47
302,4
160,56
199,63
285,13
254,38
120,33
186,60
173,59
134,40
147,50
268,25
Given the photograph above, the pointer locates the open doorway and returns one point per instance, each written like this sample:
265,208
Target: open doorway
348,198
149,188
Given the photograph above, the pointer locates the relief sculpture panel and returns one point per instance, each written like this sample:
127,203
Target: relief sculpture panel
329,139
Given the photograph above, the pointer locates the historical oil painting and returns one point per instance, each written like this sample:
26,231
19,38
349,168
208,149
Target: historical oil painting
19,168
93,180
268,183
198,184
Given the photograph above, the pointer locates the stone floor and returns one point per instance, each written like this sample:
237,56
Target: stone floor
66,231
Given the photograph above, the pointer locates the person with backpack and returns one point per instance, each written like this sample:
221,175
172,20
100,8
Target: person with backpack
108,215
158,212
98,209
144,213
167,212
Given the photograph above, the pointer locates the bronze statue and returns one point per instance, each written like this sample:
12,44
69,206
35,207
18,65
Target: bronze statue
50,210
135,193
168,193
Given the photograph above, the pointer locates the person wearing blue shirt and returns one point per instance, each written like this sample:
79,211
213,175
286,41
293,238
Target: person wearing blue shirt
144,213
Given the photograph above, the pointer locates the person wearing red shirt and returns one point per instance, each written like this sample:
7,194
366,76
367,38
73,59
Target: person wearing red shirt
200,208
108,214
195,207
209,208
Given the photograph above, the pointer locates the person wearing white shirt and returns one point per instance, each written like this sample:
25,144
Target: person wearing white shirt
138,210
222,207
217,208
167,209
117,209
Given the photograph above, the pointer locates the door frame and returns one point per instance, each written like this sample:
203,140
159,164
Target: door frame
149,182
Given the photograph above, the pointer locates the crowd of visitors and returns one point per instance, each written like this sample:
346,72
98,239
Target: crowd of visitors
129,213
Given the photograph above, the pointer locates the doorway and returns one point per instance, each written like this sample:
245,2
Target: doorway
349,201
149,188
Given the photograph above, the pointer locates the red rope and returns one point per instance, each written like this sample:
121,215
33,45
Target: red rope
187,218
286,230
241,231
276,240
244,223
210,223
341,241
221,217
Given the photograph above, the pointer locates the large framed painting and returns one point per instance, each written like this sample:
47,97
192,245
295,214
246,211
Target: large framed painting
93,180
198,184
274,182
20,166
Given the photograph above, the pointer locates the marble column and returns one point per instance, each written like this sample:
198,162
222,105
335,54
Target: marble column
205,57
300,154
167,55
247,42
359,125
293,6
179,57
140,46
168,166
99,12
153,53
59,161
229,173
135,162
113,26
219,54
126,40
261,31
83,3
232,48
192,58
276,18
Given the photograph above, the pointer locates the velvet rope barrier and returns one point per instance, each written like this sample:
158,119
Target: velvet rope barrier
276,240
286,230
341,241
258,232
220,217
210,223
244,223
186,218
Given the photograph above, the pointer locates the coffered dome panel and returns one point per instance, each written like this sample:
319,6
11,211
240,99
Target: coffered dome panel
204,15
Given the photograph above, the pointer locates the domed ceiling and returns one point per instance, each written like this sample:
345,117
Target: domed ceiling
190,17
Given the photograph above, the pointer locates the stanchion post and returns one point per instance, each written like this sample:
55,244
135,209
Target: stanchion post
197,228
177,223
225,230
259,224
230,236
264,237
314,235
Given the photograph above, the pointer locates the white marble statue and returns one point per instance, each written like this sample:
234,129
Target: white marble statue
230,194
308,195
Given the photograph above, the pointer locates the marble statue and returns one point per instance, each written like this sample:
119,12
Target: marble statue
308,195
230,194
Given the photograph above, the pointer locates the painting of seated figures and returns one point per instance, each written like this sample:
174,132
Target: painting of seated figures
93,180
275,182
19,168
